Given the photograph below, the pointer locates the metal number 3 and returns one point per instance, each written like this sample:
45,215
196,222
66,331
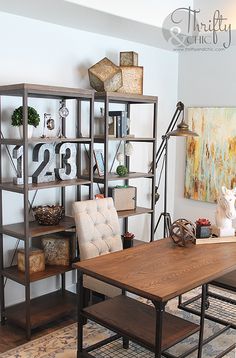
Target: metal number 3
67,152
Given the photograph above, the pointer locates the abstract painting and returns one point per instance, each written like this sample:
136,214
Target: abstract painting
211,157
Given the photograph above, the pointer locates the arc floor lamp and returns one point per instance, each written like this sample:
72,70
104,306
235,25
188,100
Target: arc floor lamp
181,131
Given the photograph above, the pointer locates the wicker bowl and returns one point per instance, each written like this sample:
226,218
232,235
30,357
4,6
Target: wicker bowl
49,214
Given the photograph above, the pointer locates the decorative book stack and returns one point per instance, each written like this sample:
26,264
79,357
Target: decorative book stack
120,123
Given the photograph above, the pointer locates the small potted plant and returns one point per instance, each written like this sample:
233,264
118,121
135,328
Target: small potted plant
17,120
127,240
203,228
122,170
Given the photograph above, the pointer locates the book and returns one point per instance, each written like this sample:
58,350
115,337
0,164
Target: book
123,128
121,123
215,240
112,126
118,126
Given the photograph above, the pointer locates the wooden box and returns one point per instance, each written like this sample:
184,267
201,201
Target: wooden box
215,240
105,76
132,80
56,250
124,197
128,58
71,236
36,260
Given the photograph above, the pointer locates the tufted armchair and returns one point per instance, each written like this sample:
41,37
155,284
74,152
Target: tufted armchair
98,232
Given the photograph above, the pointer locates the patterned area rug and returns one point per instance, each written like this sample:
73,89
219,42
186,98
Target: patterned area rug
62,343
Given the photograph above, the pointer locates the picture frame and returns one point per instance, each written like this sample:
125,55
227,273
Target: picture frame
99,161
210,157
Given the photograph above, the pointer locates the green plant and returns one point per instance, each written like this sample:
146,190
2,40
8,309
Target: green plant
17,117
121,170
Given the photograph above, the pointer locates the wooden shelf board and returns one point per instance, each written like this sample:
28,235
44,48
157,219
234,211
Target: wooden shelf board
101,139
137,321
44,309
113,176
117,97
14,274
59,140
16,141
228,280
42,91
137,211
17,230
52,184
11,141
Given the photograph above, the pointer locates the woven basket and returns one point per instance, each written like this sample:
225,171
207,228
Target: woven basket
49,215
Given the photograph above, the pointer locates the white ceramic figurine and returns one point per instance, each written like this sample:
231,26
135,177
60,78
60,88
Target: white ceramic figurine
225,212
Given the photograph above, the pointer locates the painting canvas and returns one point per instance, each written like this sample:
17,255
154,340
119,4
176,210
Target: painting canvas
211,157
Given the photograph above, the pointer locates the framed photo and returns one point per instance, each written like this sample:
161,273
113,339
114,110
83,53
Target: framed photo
112,126
98,156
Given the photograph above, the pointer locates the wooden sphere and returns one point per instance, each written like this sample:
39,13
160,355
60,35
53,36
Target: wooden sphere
182,231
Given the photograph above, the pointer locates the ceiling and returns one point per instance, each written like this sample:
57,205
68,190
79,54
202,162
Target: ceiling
152,12
132,20
135,21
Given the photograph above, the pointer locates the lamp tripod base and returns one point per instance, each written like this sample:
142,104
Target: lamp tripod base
167,223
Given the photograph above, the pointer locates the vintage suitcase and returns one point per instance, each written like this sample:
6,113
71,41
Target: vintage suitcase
36,260
124,197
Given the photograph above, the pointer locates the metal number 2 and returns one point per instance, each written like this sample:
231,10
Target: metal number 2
67,152
46,155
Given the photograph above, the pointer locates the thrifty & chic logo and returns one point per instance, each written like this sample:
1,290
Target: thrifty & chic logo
185,30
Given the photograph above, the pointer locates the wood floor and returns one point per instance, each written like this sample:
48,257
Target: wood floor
12,336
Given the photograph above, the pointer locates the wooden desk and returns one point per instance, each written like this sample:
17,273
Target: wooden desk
158,271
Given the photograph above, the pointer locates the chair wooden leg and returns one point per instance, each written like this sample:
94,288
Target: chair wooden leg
97,297
86,299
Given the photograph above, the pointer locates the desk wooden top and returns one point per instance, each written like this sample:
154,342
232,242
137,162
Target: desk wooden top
160,270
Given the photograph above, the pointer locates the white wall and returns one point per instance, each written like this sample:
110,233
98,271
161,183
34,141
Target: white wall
43,53
207,79
227,9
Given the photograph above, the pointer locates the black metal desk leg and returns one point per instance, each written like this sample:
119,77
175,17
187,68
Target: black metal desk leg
80,317
160,309
202,318
125,340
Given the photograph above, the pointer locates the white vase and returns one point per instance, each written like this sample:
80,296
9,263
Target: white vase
30,131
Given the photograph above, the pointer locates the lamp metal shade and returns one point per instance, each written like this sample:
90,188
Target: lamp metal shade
182,131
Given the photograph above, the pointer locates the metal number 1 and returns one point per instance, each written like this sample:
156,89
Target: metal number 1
18,155
67,152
